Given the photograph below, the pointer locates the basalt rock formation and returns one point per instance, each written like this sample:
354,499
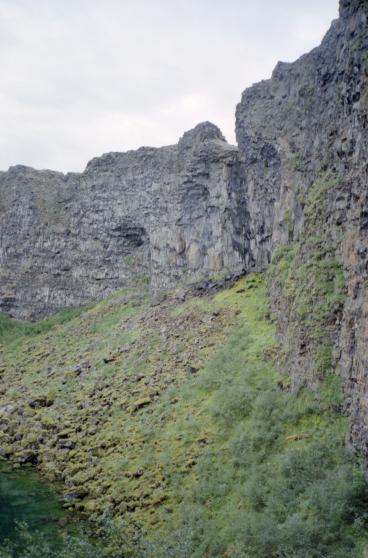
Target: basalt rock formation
153,215
294,191
303,142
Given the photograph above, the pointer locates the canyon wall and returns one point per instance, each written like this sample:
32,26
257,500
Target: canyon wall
303,144
151,215
292,199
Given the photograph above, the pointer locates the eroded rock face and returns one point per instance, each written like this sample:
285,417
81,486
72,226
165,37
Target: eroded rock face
308,118
303,142
155,215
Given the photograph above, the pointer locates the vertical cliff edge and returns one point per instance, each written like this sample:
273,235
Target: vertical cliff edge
303,144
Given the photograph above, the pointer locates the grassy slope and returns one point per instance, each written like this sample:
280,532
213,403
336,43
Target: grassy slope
109,411
176,421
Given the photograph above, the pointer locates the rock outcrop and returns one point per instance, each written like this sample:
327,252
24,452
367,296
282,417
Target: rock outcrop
303,144
157,215
295,190
309,118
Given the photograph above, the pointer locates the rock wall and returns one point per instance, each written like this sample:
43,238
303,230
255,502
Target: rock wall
303,141
308,118
157,215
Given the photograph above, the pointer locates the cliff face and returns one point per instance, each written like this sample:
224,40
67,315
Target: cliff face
153,215
294,192
303,143
309,118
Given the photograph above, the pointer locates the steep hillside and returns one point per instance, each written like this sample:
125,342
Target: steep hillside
175,421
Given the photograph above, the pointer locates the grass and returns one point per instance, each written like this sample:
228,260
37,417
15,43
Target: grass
316,195
311,289
12,330
95,369
274,478
220,460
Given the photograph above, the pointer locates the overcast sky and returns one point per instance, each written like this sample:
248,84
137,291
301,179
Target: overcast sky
82,77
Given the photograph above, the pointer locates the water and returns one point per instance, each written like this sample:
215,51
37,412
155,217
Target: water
25,498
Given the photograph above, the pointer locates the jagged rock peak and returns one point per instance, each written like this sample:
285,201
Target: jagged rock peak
192,140
205,131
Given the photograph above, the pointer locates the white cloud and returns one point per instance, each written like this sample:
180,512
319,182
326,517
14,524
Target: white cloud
84,77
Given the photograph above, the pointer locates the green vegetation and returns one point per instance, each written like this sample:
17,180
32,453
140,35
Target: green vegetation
17,502
276,479
316,197
297,162
289,222
79,387
69,542
129,260
176,425
308,285
312,290
11,329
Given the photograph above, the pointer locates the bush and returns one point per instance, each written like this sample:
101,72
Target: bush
269,493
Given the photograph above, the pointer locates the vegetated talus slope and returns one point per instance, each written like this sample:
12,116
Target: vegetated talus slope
176,421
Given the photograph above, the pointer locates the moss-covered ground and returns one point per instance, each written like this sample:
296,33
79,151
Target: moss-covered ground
176,422
92,400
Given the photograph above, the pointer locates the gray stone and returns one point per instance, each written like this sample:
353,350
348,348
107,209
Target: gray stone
152,214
